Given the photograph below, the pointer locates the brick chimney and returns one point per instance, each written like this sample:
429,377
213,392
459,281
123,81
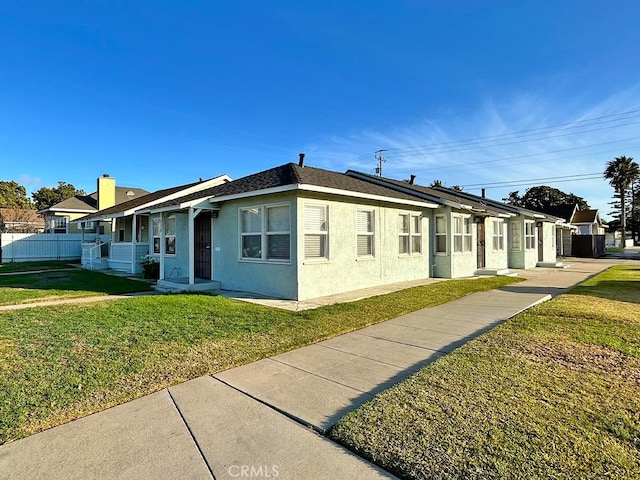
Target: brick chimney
106,191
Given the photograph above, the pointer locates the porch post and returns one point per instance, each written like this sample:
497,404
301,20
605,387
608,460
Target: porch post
113,237
81,233
133,244
191,246
162,246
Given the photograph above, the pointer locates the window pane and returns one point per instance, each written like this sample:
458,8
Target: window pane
278,247
365,245
403,223
170,226
315,246
415,224
252,220
416,244
441,225
315,218
251,247
457,243
467,243
156,244
278,219
404,244
364,221
441,243
170,245
156,227
457,225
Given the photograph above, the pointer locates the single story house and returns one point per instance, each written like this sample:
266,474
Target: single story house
59,217
20,220
588,222
132,235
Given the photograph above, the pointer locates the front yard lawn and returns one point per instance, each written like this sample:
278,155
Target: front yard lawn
552,393
34,266
59,363
60,284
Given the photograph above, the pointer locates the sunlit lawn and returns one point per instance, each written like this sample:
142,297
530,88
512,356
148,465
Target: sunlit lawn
552,393
59,363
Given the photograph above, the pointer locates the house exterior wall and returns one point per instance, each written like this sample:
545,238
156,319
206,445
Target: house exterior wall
497,258
452,264
277,279
549,253
520,255
343,270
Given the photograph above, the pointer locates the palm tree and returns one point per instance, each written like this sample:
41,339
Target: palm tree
621,172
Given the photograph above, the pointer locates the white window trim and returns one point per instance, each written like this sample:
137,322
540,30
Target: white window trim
516,246
153,236
466,220
168,236
411,234
323,233
264,234
372,234
530,238
444,234
498,235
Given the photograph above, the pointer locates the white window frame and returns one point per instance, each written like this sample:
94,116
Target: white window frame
465,236
529,235
156,221
498,235
438,233
264,234
59,222
369,233
321,231
411,235
516,236
170,236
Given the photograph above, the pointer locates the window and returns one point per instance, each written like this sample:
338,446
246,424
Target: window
529,235
461,234
409,234
170,235
58,224
278,233
155,225
498,235
316,235
265,233
364,233
516,232
441,234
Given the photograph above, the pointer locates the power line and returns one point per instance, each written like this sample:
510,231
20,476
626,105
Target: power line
574,177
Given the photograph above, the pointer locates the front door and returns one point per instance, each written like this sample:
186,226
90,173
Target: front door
202,245
540,245
481,242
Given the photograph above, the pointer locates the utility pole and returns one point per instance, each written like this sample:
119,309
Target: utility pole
380,160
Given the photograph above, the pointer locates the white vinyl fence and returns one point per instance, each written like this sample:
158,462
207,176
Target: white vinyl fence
30,247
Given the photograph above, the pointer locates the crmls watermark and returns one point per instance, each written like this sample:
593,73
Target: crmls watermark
253,471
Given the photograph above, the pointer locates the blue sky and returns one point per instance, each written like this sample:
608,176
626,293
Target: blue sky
161,93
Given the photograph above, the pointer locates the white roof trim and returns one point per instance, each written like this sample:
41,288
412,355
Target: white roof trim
65,210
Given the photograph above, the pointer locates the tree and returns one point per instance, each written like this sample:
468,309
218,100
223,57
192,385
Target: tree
13,195
621,172
48,196
542,197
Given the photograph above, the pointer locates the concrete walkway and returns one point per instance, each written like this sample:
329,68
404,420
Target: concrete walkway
260,420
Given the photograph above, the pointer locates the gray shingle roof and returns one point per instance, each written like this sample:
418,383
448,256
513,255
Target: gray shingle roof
292,174
90,202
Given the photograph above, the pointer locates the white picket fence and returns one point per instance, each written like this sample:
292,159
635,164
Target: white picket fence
30,247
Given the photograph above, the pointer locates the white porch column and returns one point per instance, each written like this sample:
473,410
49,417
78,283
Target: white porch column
162,245
191,246
113,235
133,244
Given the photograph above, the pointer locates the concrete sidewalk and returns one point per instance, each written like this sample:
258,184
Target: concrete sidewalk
260,420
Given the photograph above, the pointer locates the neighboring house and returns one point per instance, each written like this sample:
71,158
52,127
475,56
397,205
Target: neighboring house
59,217
589,222
133,236
19,220
564,230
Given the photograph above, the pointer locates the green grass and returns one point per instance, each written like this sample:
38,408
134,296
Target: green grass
552,393
59,363
61,284
32,266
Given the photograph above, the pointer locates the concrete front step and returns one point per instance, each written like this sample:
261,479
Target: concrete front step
496,272
182,285
552,265
95,264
